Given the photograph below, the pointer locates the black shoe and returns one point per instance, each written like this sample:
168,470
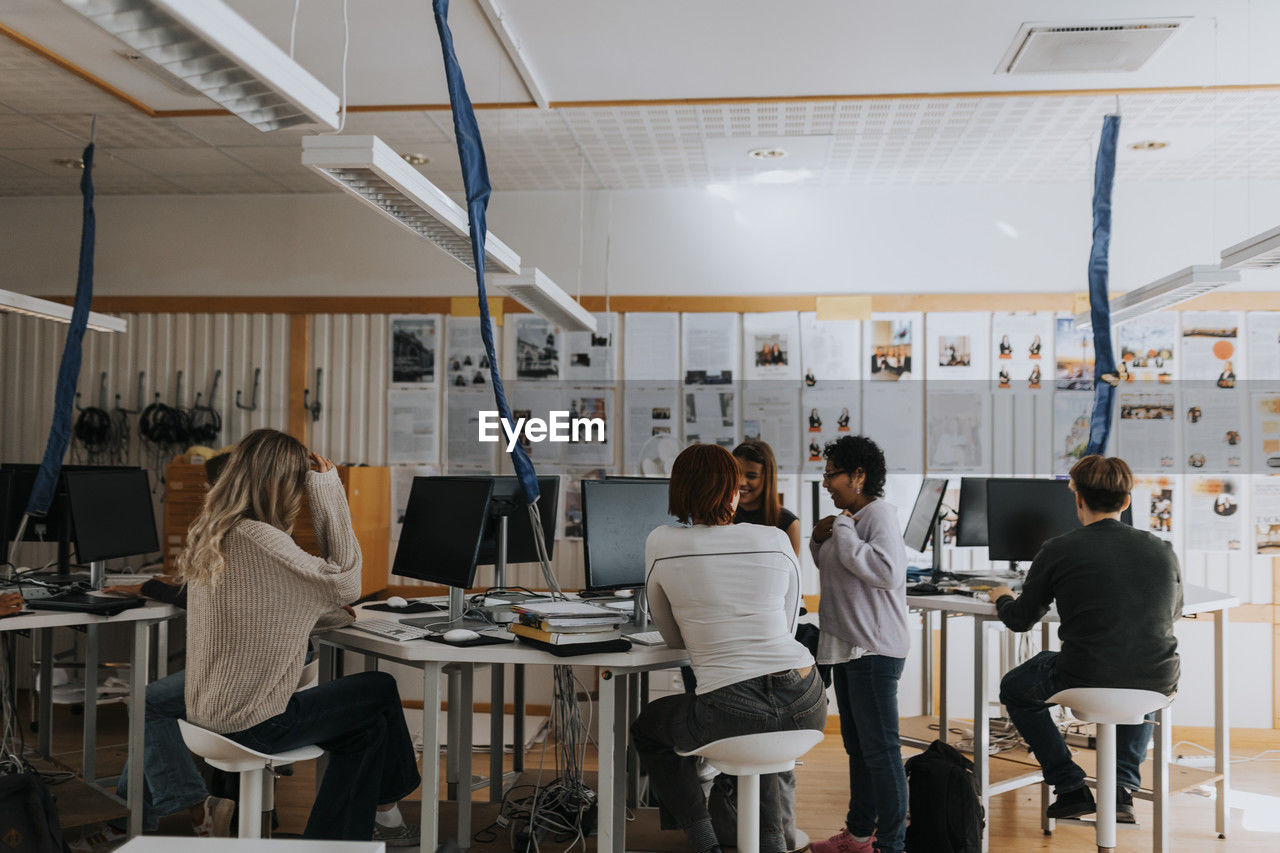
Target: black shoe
1072,804
1124,806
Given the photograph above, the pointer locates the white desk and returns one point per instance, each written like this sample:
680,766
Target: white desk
617,670
41,623
162,844
1197,599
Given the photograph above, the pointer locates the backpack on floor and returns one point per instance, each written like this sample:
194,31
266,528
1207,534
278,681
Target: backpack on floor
946,813
28,817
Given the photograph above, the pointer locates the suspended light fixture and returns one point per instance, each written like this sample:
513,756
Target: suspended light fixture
209,47
1260,252
32,306
532,289
1170,290
366,167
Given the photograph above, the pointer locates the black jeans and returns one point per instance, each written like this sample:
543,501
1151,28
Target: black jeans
867,696
358,720
769,703
1024,689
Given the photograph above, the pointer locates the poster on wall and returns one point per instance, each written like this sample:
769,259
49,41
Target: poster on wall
957,347
1071,410
1154,500
401,483
648,351
467,363
1264,344
591,443
1147,429
415,344
652,413
711,416
536,400
709,348
1266,429
1021,350
1073,356
535,349
768,414
888,347
1211,350
828,410
571,517
959,432
830,350
1266,516
464,452
771,344
1214,430
1147,348
593,356
1214,516
411,426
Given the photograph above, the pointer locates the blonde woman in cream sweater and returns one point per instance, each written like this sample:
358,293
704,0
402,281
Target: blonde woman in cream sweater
254,597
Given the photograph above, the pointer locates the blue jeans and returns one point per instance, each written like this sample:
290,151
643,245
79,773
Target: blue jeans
867,696
172,782
769,703
358,720
1024,691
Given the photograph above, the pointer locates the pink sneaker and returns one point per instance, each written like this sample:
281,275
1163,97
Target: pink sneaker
843,843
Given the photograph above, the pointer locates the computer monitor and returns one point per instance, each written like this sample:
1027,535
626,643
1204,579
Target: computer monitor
617,518
444,524
971,528
1023,513
6,487
111,513
923,514
54,526
508,499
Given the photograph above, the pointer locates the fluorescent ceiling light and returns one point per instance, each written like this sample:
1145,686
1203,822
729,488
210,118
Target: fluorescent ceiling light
205,44
532,289
366,167
1170,290
20,303
1260,252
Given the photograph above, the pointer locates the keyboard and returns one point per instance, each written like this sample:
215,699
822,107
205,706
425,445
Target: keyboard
389,629
646,638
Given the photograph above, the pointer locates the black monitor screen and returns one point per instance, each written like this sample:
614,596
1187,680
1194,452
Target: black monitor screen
111,513
508,499
971,529
617,518
444,523
1023,513
55,524
920,524
6,498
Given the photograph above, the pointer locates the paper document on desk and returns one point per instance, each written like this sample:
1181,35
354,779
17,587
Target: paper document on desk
564,610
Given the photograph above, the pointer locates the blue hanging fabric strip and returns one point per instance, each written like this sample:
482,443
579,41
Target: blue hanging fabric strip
1104,372
69,369
475,178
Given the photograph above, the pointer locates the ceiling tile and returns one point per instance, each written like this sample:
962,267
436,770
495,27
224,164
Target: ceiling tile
183,162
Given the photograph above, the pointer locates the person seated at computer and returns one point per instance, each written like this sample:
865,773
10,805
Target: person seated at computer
862,572
1118,591
758,500
10,604
255,597
730,594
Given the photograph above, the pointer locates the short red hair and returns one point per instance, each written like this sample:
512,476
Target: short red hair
704,481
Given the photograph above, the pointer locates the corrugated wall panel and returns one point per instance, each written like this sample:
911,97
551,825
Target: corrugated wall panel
353,351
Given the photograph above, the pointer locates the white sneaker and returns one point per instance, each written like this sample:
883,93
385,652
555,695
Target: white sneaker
217,818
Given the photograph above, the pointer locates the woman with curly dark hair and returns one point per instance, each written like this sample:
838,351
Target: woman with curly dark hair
862,567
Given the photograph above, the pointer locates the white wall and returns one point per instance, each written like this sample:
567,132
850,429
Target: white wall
733,240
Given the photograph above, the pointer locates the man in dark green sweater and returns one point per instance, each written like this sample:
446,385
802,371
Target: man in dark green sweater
1118,592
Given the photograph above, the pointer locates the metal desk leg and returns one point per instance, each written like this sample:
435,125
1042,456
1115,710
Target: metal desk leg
1046,822
944,720
1221,722
89,761
633,760
430,819
517,720
1160,781
162,649
613,756
454,735
926,663
44,716
981,730
327,656
464,755
137,720
497,703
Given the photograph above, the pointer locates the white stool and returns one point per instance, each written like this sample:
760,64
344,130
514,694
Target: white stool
748,757
1106,708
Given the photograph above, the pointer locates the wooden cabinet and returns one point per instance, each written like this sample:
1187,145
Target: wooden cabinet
368,494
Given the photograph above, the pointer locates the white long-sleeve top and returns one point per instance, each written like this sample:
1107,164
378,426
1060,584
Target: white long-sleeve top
730,594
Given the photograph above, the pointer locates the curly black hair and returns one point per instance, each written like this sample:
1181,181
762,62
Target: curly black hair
851,452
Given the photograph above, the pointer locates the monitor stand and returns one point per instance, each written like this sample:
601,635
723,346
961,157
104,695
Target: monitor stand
938,573
640,611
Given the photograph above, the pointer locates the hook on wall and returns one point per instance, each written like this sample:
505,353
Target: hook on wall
142,382
313,407
257,381
102,393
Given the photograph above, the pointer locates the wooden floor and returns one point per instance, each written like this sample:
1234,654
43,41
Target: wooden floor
822,792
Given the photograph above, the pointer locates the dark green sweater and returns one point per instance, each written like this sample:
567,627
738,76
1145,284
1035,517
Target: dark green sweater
1118,592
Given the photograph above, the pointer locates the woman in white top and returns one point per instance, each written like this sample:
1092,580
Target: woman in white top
730,595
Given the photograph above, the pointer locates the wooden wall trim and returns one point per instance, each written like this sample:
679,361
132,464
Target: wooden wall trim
67,65
299,361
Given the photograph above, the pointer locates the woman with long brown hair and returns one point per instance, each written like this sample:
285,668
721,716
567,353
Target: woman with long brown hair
758,498
254,598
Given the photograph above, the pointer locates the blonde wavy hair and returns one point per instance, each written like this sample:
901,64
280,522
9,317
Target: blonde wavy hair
264,480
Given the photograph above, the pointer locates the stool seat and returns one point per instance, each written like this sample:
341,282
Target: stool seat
750,755
1112,705
225,754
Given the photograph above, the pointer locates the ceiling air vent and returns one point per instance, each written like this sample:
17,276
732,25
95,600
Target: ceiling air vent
1083,47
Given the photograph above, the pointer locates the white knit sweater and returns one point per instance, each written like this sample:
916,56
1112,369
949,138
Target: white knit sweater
247,634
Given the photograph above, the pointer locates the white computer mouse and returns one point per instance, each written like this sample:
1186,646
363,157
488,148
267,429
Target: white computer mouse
460,635
623,593
397,601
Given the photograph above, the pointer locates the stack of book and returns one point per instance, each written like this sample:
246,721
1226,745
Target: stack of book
566,623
